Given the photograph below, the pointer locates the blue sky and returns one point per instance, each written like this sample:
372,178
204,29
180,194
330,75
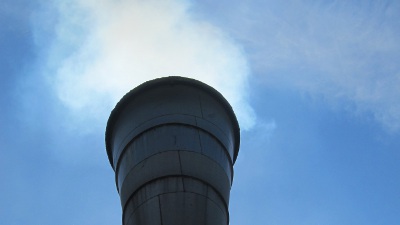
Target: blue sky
315,85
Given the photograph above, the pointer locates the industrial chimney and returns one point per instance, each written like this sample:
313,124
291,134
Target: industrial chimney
172,143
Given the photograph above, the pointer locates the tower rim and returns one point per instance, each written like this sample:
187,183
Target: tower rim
170,80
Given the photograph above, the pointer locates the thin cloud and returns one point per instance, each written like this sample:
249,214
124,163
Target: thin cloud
343,51
103,49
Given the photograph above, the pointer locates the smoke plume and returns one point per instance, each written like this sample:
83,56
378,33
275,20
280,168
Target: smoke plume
102,49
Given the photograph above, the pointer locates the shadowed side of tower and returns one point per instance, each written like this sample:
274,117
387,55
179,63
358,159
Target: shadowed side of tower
172,143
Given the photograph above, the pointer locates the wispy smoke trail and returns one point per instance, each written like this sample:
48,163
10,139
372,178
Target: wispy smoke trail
103,49
347,52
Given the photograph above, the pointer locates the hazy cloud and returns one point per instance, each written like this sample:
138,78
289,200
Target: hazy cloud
343,51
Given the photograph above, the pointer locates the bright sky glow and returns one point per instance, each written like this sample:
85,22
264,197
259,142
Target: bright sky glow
315,85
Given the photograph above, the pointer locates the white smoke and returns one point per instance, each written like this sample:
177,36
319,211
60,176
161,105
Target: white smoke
346,52
109,47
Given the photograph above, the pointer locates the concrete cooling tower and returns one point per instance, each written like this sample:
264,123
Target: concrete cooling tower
172,143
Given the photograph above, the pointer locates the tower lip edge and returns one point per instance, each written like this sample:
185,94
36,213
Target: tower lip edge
170,80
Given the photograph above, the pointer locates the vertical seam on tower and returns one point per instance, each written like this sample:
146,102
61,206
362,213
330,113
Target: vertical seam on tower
207,199
180,167
159,206
201,146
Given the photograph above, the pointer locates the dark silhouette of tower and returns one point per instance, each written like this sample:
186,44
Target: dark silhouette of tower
172,143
